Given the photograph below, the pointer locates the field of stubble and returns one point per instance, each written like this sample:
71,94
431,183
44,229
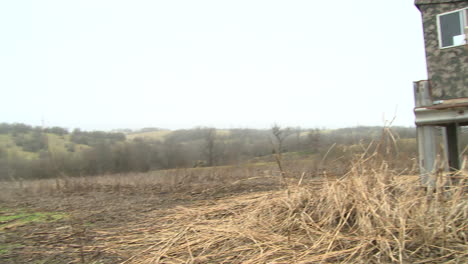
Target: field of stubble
369,214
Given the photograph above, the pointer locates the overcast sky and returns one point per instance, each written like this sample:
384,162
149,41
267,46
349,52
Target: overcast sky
228,64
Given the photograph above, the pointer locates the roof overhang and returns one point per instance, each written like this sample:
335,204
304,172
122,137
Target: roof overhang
434,2
427,2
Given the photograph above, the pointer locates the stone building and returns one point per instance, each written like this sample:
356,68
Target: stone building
442,100
444,23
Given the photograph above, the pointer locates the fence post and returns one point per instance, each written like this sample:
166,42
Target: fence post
451,143
426,137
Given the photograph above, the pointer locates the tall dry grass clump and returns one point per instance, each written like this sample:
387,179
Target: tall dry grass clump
369,216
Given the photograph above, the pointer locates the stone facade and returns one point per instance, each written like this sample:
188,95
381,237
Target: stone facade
447,68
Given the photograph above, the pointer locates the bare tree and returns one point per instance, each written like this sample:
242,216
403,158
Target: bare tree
297,144
314,140
277,141
210,137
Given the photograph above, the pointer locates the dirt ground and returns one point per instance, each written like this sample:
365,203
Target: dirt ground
201,218
92,221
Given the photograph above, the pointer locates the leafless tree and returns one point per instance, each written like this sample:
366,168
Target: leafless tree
277,141
210,138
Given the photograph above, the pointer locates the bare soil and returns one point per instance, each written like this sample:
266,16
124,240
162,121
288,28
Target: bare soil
94,219
370,215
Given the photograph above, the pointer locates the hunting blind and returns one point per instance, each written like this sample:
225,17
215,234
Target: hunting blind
442,100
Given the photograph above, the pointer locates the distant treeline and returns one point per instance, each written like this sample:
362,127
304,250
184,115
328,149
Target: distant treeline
34,152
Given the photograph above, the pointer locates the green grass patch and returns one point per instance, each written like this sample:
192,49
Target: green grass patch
58,146
6,248
156,135
7,144
10,218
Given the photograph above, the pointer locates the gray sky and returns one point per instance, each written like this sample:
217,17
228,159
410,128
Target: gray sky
179,64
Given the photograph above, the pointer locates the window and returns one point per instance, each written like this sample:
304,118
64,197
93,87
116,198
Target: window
452,28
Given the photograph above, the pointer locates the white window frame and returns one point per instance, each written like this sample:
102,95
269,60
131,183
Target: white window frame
463,24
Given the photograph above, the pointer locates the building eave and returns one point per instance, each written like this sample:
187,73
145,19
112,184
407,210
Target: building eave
430,2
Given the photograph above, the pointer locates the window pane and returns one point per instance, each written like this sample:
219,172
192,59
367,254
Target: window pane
449,27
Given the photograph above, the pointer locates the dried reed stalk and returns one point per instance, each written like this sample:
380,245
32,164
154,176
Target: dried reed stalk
370,216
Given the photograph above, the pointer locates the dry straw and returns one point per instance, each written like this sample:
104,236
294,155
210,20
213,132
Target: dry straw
369,216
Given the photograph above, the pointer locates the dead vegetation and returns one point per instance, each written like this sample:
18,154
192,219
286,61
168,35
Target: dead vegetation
371,214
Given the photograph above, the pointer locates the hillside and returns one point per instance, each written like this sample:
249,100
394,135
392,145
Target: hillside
33,152
29,142
154,135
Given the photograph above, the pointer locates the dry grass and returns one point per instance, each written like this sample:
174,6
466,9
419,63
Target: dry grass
369,216
196,180
207,180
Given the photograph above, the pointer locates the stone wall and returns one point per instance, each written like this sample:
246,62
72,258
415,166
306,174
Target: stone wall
447,68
